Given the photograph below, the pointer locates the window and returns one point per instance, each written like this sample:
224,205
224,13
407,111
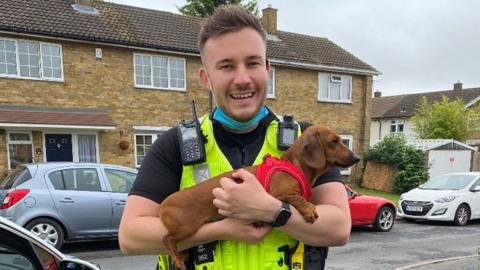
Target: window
120,181
82,179
30,59
335,88
347,140
396,126
271,84
16,252
20,149
143,142
159,72
87,148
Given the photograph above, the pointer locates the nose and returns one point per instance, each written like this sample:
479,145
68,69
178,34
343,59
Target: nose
355,159
242,76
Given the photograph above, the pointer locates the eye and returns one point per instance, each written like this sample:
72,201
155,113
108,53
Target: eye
254,63
226,67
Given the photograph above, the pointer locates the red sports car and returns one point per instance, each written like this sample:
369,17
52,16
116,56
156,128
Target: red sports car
371,210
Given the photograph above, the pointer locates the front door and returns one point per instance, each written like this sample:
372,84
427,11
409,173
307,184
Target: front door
58,147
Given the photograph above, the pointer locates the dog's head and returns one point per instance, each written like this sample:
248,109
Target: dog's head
319,148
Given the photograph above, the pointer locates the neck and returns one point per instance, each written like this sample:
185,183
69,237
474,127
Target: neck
310,173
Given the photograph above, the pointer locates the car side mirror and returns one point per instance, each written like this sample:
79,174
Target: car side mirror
74,264
476,189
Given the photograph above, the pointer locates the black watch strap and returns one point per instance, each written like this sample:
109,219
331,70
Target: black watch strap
282,216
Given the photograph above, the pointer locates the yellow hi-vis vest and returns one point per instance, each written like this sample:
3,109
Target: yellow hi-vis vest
270,253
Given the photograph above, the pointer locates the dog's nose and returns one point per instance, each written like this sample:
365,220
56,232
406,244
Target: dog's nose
355,159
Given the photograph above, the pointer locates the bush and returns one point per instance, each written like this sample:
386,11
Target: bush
411,169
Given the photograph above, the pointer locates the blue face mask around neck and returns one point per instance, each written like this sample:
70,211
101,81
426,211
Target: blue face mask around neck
233,124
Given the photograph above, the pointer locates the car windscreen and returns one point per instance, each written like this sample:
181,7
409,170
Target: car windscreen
18,176
448,182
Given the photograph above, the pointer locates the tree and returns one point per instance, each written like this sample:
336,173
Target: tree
444,120
204,8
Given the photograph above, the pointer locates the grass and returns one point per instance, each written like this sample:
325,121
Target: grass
391,196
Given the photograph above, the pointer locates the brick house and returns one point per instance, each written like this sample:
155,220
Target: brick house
391,114
95,81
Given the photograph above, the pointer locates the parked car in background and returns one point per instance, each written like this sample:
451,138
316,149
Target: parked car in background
371,210
65,201
20,249
449,197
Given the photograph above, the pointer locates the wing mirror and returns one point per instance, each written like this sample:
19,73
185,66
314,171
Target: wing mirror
476,189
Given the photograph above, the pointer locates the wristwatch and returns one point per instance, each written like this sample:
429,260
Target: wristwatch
282,216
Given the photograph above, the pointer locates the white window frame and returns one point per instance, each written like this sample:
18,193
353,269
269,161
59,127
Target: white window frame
168,71
17,76
154,138
75,155
348,170
397,124
272,82
18,142
334,78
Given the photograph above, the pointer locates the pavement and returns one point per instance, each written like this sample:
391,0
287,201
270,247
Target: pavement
471,262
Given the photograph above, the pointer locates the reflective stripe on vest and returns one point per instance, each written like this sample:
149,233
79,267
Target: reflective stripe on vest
235,255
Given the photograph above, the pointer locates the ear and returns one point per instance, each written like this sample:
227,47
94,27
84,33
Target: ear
312,151
202,73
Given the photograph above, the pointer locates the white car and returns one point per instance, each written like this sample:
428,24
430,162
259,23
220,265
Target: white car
21,249
450,197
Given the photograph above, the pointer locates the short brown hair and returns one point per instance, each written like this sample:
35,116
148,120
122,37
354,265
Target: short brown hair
228,18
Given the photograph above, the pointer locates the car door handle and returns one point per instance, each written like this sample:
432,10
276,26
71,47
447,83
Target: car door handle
67,200
122,202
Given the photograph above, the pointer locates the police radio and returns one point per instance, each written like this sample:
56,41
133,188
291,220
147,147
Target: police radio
191,140
287,132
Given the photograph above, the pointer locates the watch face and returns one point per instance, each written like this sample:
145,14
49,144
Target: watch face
283,217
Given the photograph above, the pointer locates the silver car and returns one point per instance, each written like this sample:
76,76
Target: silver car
20,249
67,201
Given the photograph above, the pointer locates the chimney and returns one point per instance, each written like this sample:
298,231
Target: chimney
377,93
457,86
269,20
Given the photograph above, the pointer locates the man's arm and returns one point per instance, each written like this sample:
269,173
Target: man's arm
249,200
141,230
333,225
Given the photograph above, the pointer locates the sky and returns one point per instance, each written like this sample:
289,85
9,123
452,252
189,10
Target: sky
417,45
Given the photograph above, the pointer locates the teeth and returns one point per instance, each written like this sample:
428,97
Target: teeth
242,96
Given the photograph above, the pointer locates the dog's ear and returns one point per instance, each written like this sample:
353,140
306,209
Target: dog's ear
312,151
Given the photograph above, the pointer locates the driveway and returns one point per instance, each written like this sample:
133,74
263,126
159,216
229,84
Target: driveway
405,246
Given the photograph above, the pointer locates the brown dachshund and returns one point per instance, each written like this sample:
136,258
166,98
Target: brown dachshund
317,149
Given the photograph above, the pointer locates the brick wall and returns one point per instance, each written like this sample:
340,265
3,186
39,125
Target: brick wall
108,83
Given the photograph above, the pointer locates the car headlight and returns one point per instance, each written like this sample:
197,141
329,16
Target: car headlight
446,199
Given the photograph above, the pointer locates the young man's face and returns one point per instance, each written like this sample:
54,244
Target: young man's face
235,70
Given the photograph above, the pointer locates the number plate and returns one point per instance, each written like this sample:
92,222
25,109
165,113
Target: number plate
414,208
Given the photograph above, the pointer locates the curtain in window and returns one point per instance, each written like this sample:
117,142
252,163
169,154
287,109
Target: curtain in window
87,151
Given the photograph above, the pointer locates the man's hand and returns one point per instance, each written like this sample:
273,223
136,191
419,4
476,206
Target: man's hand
245,198
243,230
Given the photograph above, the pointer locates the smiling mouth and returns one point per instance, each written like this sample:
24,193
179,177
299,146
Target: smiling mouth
242,95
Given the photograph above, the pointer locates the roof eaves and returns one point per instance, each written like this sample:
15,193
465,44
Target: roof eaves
324,67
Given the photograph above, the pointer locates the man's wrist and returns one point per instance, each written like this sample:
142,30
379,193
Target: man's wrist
273,211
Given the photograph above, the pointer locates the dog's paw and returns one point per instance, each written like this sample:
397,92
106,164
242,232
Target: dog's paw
310,214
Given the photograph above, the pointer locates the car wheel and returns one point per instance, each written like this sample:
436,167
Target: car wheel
384,220
462,215
48,230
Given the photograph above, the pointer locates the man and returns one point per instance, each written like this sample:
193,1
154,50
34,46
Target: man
239,133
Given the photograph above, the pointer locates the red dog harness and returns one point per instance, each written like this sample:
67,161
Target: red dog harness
270,165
